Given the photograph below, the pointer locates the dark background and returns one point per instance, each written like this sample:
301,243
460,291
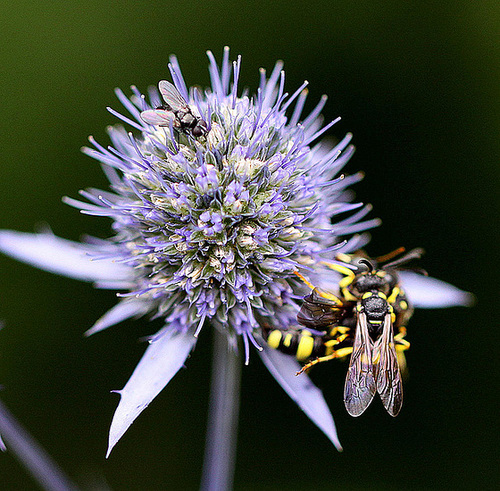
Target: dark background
417,84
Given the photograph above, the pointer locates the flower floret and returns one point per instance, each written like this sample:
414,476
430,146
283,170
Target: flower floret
225,215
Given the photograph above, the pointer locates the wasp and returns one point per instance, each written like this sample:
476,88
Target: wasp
367,319
175,111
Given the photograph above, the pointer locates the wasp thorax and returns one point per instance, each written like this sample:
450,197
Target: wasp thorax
375,307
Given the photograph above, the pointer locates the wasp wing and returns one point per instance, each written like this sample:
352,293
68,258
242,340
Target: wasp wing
388,374
172,96
318,312
158,117
360,385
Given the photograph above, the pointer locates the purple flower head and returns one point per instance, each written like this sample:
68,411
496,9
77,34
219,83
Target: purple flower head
227,213
216,199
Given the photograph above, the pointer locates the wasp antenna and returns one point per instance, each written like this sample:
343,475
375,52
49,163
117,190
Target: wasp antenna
421,271
368,264
413,254
390,255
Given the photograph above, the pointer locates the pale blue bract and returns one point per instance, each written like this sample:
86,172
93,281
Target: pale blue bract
208,231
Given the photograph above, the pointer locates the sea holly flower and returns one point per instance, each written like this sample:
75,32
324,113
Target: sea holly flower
209,229
217,198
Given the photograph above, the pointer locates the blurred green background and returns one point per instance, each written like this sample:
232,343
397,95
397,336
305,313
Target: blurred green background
418,85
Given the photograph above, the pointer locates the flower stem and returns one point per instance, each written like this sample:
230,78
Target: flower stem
38,463
220,446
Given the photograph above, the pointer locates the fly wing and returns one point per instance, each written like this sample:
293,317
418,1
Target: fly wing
158,117
388,375
172,96
360,386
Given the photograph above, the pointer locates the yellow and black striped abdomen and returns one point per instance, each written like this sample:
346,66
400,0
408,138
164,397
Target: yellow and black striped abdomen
299,343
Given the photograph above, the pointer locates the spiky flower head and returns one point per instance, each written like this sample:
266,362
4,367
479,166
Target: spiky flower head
217,197
215,226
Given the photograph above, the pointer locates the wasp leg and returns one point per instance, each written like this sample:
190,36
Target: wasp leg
331,353
327,296
401,346
321,359
348,278
339,268
401,343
